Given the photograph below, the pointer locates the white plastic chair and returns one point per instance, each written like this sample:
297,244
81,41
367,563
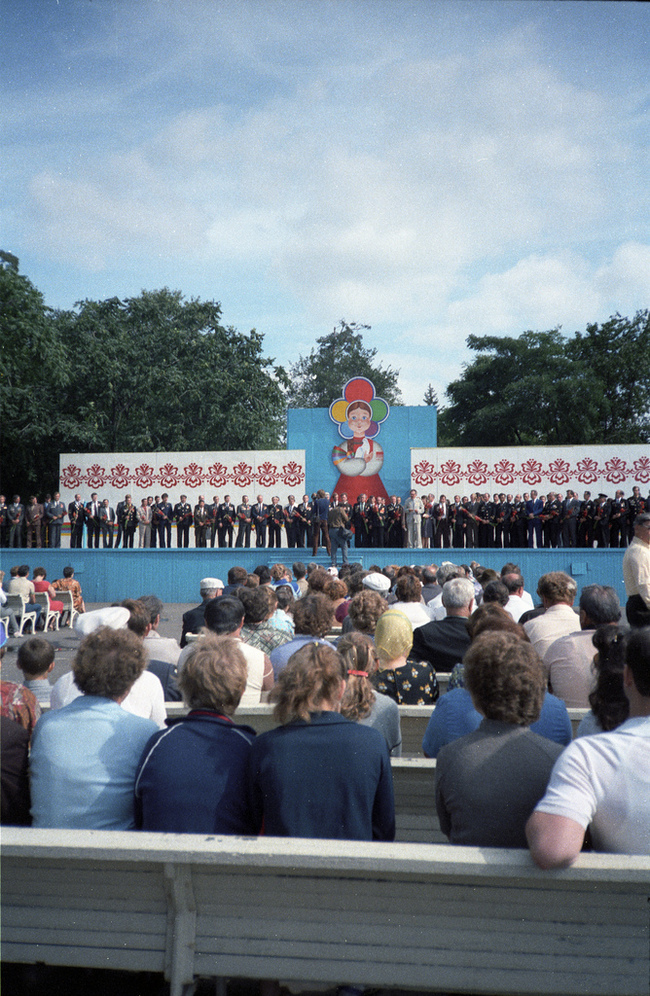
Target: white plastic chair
21,607
47,613
68,606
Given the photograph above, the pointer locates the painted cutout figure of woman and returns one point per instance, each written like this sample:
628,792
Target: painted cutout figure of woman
358,415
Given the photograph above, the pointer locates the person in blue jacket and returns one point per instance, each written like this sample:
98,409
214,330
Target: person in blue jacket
455,715
192,777
319,774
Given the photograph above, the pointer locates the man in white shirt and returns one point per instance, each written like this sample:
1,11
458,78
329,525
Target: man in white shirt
601,781
519,601
557,591
145,698
157,647
636,573
568,662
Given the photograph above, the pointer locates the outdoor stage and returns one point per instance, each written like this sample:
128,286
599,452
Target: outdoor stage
174,575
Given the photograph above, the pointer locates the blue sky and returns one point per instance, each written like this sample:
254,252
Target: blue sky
432,169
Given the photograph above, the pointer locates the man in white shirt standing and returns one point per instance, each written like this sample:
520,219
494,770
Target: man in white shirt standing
413,511
636,573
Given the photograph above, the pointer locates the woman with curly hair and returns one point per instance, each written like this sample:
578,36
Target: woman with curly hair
313,616
488,782
609,704
406,681
319,774
361,702
409,600
84,756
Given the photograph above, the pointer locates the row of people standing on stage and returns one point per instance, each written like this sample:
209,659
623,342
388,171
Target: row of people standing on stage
553,520
502,521
33,524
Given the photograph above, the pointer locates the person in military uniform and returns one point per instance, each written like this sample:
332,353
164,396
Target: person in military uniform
570,513
213,521
164,522
260,515
200,523
276,522
586,522
15,518
245,521
3,521
551,521
635,505
360,522
129,521
601,521
183,517
304,522
227,513
76,516
618,520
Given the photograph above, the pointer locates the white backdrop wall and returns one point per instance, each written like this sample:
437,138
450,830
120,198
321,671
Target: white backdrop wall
113,475
513,470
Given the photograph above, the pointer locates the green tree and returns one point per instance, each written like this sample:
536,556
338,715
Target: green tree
318,379
618,352
545,388
154,372
430,397
158,372
34,375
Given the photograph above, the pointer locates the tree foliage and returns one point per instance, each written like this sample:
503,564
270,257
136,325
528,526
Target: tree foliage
154,372
318,379
544,388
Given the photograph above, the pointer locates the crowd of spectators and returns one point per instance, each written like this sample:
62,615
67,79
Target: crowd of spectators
337,653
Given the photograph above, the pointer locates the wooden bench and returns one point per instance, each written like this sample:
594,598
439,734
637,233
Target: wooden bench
443,918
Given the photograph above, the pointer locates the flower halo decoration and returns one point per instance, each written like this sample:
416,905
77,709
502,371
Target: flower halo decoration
358,389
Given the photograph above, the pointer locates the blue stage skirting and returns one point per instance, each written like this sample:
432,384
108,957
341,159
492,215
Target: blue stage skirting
174,575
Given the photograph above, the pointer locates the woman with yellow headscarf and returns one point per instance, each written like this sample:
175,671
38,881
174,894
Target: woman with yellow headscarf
408,682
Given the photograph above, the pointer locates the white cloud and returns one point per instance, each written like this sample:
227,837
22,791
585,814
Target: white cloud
357,164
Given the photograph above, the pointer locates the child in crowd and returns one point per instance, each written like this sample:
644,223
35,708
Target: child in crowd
36,661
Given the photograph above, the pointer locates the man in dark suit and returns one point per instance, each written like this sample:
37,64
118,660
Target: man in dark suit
260,514
92,522
106,522
193,619
226,519
443,642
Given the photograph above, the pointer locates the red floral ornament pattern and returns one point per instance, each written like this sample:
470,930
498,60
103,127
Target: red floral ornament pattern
267,474
449,473
96,476
143,476
616,470
71,476
560,471
293,474
193,476
504,472
424,473
242,475
642,470
217,475
531,471
477,472
119,476
168,476
588,471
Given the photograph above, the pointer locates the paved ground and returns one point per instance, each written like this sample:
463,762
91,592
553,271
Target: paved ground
66,641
